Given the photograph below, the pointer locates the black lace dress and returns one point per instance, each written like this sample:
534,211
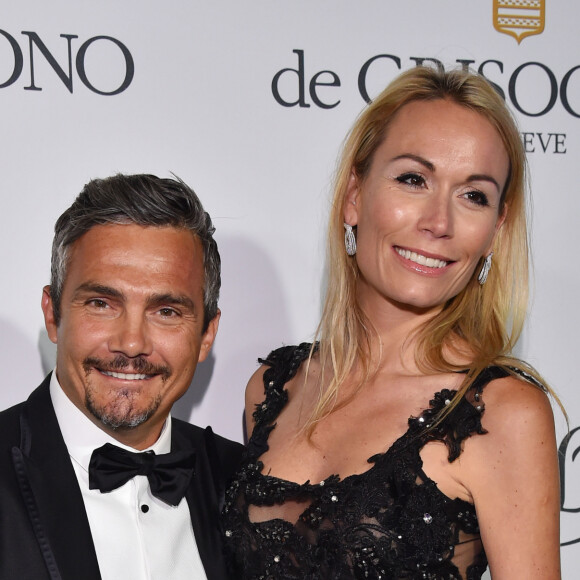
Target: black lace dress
390,522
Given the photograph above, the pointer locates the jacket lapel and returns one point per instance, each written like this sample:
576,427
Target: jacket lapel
202,498
53,498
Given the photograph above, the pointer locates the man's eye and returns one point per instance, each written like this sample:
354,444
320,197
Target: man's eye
97,303
412,179
168,312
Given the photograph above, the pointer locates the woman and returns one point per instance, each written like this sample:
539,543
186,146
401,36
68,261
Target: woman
407,442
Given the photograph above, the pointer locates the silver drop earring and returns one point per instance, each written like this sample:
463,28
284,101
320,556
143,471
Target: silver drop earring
349,240
482,278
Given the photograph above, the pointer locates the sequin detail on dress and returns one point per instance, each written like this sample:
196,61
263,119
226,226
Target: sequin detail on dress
388,523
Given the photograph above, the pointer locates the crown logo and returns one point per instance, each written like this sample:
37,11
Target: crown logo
519,18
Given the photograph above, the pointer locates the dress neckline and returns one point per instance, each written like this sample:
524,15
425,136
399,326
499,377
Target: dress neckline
285,364
412,433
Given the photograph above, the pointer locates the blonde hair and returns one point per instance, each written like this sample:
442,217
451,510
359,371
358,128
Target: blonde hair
489,318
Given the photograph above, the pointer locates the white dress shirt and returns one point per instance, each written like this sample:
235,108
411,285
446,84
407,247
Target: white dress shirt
136,535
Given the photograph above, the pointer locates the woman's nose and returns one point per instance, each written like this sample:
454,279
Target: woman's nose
437,216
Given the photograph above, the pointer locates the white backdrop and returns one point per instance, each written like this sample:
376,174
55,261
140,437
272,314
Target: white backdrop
201,104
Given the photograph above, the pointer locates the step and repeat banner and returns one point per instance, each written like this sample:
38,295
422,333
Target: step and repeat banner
248,102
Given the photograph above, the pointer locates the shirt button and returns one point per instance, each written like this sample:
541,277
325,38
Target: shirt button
144,508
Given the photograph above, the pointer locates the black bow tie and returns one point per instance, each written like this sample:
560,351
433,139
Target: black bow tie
169,474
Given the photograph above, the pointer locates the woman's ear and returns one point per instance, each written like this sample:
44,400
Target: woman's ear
498,225
351,200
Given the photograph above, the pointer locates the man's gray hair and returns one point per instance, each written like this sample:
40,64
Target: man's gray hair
145,200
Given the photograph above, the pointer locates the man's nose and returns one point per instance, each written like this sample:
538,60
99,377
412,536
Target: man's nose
131,335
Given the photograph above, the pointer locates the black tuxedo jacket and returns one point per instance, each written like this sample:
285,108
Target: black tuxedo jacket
44,530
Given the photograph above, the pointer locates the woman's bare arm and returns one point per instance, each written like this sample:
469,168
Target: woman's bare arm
512,474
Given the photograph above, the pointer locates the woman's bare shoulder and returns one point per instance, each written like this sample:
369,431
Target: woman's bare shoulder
513,406
519,437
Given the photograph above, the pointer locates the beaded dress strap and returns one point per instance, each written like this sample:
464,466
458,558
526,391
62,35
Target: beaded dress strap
283,365
462,422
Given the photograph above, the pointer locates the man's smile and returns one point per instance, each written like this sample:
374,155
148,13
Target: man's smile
126,376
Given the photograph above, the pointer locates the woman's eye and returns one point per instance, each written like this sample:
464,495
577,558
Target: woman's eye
477,197
412,179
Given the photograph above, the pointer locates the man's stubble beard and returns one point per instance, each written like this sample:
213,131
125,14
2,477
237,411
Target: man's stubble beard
121,411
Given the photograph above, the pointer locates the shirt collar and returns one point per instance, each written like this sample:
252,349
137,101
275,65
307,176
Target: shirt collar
82,436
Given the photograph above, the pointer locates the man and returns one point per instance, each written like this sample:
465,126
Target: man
132,308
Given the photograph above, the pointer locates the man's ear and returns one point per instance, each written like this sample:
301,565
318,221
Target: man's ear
209,336
350,208
48,309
